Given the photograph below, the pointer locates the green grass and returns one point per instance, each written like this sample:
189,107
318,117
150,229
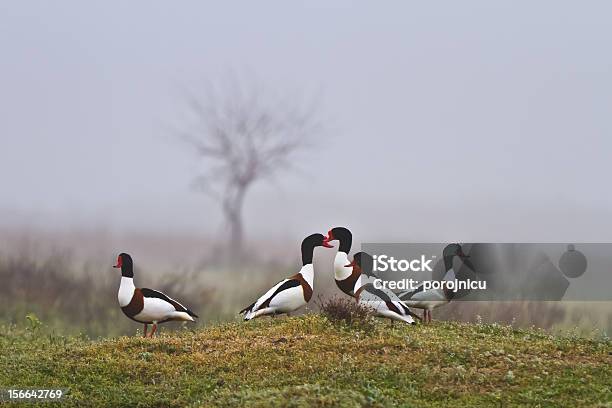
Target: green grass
310,361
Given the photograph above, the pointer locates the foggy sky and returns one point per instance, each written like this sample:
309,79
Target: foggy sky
475,120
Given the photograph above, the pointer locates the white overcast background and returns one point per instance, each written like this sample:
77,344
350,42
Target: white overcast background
472,120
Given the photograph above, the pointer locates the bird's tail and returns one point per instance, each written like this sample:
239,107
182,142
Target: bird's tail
181,316
409,313
408,319
247,310
190,313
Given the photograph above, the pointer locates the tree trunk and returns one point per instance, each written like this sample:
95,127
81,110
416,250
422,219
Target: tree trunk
232,210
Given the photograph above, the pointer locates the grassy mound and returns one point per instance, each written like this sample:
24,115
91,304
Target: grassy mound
311,361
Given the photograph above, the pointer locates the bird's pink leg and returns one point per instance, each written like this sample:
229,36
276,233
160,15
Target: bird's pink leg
153,329
145,330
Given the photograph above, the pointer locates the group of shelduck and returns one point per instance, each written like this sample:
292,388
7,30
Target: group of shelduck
354,278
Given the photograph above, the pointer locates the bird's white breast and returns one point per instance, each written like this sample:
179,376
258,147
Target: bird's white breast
341,271
307,273
126,291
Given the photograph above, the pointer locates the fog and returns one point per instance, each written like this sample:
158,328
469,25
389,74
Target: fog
472,121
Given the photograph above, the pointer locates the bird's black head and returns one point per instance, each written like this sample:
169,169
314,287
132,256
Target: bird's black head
454,250
124,261
343,235
309,244
365,262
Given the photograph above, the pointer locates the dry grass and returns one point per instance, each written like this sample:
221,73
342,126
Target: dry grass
308,361
346,311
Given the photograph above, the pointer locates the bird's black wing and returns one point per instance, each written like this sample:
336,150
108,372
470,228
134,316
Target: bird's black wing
288,284
369,287
150,293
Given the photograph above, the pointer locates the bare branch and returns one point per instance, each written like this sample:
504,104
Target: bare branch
244,135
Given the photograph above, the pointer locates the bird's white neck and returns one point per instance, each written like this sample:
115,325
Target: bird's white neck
341,271
307,272
126,291
450,275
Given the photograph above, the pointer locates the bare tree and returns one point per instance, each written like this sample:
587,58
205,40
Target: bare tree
245,134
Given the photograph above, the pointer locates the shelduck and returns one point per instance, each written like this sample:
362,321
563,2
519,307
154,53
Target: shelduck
347,278
384,302
433,298
144,305
292,293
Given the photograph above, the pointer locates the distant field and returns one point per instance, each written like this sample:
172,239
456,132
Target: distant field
310,361
76,292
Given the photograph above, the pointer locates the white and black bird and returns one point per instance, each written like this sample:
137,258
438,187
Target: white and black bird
433,298
292,293
144,305
383,301
347,278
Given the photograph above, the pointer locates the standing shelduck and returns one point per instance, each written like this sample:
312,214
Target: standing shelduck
347,278
383,301
433,298
144,305
292,293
